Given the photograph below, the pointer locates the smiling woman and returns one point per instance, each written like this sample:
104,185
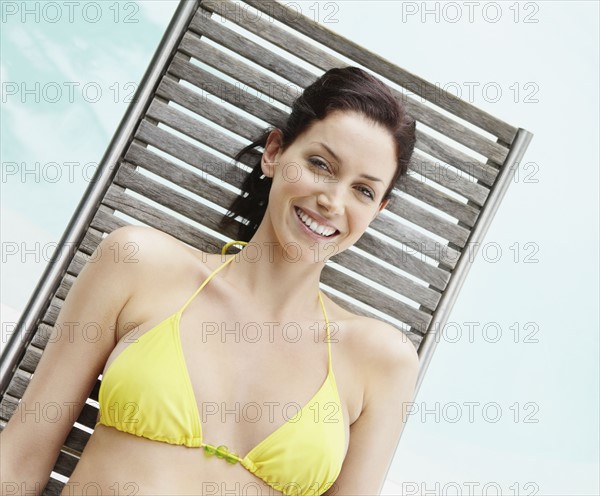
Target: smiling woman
322,177
366,103
347,202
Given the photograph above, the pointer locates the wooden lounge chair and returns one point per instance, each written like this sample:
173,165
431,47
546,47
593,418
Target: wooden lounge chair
199,103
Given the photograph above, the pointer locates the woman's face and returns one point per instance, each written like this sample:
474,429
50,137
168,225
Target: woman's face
333,176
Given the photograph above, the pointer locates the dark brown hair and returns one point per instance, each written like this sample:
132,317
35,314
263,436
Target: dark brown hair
347,88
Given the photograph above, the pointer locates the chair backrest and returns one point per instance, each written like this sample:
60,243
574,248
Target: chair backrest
223,72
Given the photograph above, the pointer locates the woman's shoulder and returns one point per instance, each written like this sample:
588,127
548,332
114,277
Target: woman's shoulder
151,249
154,261
361,331
375,356
163,270
393,361
368,338
385,340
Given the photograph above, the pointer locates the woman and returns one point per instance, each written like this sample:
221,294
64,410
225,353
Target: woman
237,368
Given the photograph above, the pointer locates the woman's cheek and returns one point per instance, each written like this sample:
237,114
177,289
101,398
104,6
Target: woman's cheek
298,179
291,173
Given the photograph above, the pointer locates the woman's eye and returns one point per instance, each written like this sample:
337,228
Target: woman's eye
318,163
322,165
367,192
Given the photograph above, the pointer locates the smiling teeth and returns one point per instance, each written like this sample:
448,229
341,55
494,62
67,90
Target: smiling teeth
314,226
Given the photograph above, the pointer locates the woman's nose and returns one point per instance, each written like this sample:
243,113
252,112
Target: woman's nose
332,201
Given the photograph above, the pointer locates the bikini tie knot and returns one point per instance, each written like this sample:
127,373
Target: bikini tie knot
221,451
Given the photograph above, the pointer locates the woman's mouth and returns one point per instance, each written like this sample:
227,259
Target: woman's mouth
313,227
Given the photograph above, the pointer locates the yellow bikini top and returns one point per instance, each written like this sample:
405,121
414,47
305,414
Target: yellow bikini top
147,391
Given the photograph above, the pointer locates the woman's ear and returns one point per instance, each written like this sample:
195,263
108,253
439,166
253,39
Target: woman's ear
270,157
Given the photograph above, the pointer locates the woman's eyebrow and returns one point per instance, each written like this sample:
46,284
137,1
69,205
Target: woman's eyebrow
332,153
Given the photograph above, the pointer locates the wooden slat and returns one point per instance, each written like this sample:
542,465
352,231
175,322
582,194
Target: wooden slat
43,333
69,277
8,405
207,108
153,217
189,153
53,488
448,178
473,167
224,90
19,383
428,116
95,391
88,416
418,242
272,33
399,283
196,47
204,25
197,130
414,337
416,188
403,207
65,464
90,241
454,130
77,263
106,221
374,298
53,310
76,440
402,259
167,197
373,61
31,359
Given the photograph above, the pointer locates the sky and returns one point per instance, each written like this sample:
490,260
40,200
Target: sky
509,404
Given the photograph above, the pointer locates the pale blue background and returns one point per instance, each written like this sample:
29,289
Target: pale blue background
555,379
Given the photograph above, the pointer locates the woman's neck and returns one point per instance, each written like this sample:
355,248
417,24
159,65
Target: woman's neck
282,279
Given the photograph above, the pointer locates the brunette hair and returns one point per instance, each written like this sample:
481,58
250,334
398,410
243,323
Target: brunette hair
347,88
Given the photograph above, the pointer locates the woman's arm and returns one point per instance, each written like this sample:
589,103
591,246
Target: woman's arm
392,375
82,339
